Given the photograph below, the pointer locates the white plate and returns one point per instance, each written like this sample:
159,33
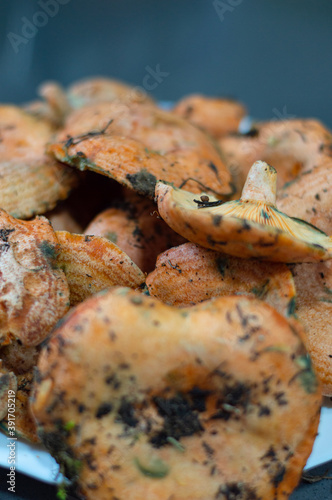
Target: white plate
34,460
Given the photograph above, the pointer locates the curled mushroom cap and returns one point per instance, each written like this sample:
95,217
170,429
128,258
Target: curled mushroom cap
139,144
163,410
93,263
34,292
292,146
249,227
31,182
188,274
216,116
314,308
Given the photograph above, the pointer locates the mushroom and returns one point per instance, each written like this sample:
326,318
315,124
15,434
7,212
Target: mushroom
136,399
31,182
249,227
216,116
93,263
34,296
92,90
309,197
134,226
294,147
138,144
34,293
314,309
53,106
188,274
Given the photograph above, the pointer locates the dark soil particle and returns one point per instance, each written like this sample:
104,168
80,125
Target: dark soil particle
81,408
179,419
104,409
264,411
236,491
208,450
113,381
126,414
198,397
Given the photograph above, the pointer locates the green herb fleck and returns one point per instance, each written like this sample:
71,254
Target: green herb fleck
306,374
156,468
61,493
175,443
69,425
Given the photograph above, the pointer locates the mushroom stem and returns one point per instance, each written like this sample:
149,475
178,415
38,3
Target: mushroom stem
261,184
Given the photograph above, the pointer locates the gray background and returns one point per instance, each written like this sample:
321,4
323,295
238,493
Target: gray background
274,56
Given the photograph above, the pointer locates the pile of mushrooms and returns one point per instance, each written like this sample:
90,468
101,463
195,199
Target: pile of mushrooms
156,317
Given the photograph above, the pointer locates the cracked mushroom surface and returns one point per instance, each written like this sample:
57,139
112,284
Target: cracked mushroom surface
189,274
251,227
162,409
31,181
34,293
139,144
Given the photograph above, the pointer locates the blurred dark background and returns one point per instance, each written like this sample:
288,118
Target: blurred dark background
274,56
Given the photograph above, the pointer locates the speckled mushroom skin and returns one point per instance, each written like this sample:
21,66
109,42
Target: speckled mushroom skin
137,399
34,293
139,144
189,274
314,308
